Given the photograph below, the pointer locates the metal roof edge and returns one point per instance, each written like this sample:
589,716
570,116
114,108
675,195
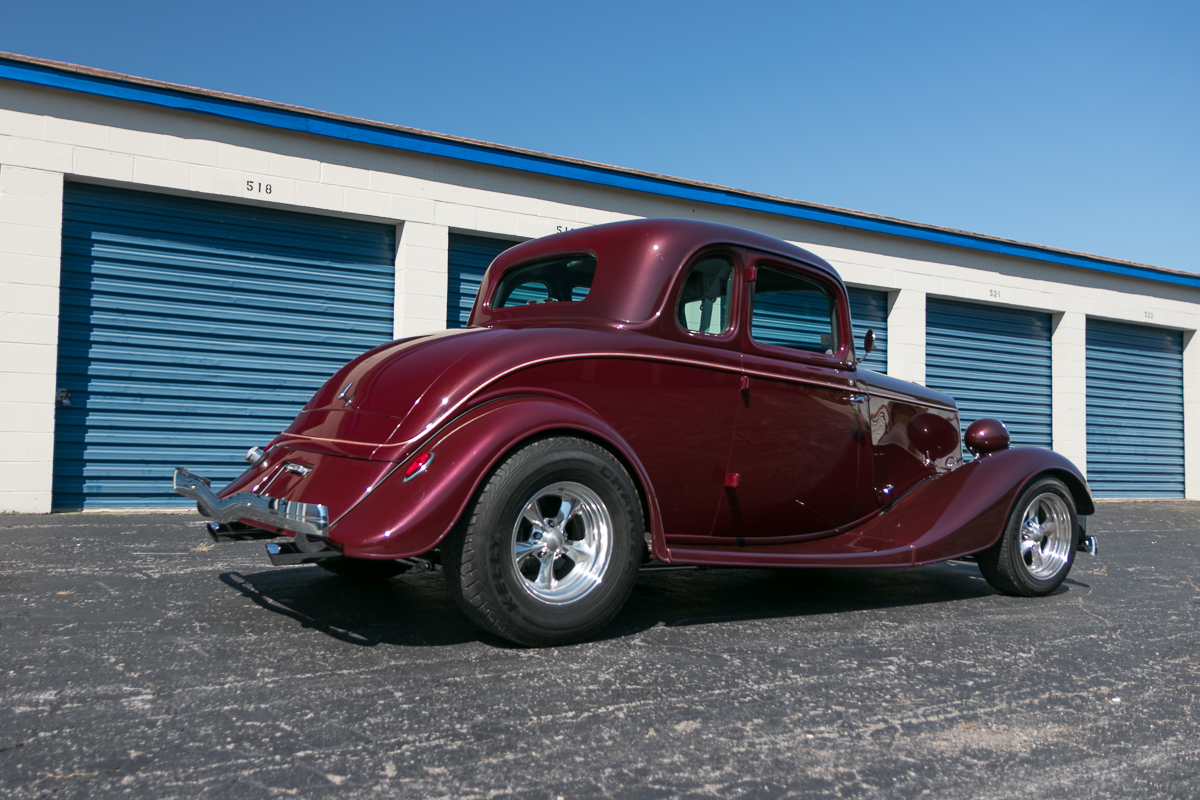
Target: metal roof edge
103,83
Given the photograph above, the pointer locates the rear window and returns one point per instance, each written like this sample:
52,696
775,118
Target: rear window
558,280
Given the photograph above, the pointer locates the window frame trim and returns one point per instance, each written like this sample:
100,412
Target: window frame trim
842,356
730,336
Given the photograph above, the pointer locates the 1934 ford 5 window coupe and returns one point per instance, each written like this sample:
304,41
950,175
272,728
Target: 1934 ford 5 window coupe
638,394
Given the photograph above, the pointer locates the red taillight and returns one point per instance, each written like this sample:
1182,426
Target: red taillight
417,466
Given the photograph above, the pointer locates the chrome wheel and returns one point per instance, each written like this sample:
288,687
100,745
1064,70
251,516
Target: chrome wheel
562,543
1046,535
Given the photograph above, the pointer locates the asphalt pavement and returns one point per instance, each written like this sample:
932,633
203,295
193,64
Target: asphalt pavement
141,660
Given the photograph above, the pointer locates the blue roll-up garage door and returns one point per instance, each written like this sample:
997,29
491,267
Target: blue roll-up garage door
995,362
1134,410
191,330
868,311
469,258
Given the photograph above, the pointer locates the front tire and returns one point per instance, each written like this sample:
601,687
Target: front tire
1037,549
549,551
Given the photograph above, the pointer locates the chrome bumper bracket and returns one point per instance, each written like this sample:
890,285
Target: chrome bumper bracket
309,519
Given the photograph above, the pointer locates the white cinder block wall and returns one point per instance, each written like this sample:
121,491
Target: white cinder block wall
30,242
56,136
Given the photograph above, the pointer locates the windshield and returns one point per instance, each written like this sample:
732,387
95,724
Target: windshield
559,280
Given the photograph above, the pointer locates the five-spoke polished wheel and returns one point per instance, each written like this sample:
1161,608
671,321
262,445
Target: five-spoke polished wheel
1038,545
549,551
1047,535
562,542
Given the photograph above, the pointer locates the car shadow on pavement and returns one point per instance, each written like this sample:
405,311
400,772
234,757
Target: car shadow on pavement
417,610
731,595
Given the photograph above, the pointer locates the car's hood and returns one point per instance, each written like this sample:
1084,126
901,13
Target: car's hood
918,394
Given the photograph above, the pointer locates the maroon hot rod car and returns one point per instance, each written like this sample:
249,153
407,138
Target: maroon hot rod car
638,394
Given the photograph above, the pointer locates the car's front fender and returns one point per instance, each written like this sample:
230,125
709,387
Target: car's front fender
401,519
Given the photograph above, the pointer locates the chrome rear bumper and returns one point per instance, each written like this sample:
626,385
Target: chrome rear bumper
309,519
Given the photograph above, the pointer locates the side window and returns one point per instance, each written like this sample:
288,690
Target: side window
704,301
791,311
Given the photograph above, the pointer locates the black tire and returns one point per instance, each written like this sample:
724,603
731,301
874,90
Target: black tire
560,582
1023,564
363,570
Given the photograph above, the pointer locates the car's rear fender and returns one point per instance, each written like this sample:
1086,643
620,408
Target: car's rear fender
400,519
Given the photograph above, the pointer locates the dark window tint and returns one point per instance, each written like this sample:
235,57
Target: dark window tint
559,280
791,311
704,301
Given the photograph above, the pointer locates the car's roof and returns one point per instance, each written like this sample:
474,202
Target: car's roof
637,261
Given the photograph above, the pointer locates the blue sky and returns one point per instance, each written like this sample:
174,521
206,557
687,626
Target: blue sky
1075,125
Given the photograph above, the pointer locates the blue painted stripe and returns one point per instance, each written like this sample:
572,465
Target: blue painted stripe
430,144
190,330
995,362
1134,424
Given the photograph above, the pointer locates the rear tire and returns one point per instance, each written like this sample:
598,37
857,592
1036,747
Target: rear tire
363,570
1037,549
550,549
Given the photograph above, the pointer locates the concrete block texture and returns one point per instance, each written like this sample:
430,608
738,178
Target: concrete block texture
29,416
26,447
319,195
134,142
1068,382
338,175
103,164
28,388
20,124
243,158
73,132
31,183
36,154
30,240
30,246
906,336
301,169
422,266
24,502
20,328
455,216
27,358
412,209
214,180
163,173
34,211
416,234
190,151
367,203
27,478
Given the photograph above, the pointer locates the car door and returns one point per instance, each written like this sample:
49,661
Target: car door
800,454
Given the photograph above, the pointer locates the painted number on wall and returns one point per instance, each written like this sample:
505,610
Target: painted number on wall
258,187
1149,314
993,292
